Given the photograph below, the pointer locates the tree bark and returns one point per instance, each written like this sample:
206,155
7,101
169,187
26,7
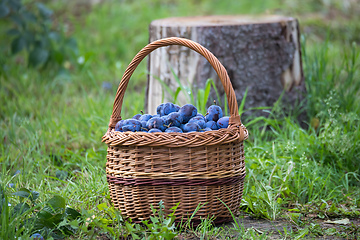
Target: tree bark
261,54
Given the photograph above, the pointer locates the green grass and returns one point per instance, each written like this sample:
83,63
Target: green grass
51,121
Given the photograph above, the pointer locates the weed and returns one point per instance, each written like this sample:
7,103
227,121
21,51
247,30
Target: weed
199,100
32,30
51,218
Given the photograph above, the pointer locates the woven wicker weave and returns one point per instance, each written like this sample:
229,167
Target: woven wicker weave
191,168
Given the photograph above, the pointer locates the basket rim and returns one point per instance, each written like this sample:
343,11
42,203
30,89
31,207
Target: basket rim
163,139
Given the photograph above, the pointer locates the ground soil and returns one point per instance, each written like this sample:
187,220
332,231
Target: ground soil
275,229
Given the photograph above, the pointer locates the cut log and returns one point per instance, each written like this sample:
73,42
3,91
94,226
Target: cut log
261,54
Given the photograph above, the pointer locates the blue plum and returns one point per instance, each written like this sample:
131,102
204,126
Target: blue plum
131,128
174,129
143,126
166,121
119,125
154,130
174,119
212,125
191,127
156,122
188,111
145,117
160,109
168,108
200,115
199,121
165,108
137,116
223,122
214,113
132,125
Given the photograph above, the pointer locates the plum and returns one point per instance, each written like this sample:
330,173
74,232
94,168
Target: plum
174,119
200,115
132,125
137,116
173,129
199,121
156,122
187,111
214,113
131,128
191,127
166,108
223,122
119,125
145,117
154,130
212,125
160,109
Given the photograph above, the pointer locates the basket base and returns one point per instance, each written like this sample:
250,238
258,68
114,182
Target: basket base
135,201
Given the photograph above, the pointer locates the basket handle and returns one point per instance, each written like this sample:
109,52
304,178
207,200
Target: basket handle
219,68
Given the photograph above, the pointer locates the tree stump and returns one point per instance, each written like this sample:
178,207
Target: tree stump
261,54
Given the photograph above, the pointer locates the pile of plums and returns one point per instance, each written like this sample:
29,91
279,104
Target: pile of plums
173,118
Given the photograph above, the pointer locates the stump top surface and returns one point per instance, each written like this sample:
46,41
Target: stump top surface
220,20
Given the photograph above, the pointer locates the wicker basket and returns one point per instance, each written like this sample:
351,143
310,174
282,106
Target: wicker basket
191,168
